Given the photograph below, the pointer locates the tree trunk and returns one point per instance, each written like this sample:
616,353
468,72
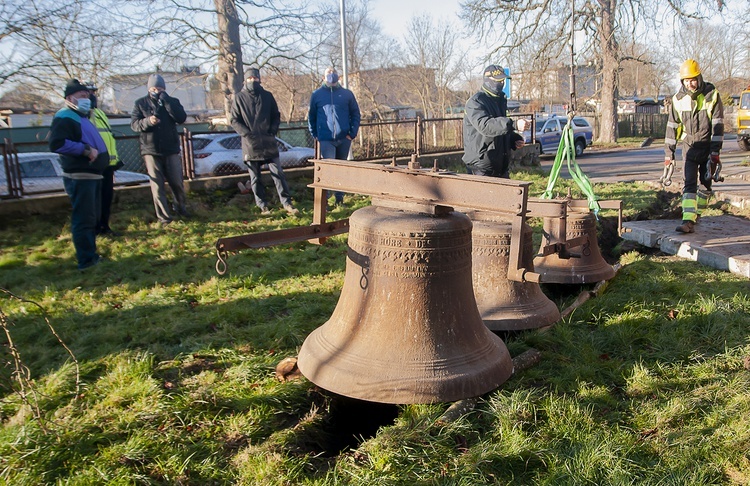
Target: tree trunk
230,73
610,68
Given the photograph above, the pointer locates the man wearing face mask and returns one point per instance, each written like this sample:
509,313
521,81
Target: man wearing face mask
489,135
255,117
156,117
333,120
83,157
101,122
696,118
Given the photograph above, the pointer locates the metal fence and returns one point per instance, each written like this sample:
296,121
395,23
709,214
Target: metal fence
376,140
652,125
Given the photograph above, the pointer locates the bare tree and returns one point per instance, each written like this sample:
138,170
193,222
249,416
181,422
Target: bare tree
367,46
233,33
230,74
370,52
645,71
723,52
432,52
46,41
606,24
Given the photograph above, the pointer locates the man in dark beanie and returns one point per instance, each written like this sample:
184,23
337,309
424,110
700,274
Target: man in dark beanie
156,117
255,117
488,133
83,157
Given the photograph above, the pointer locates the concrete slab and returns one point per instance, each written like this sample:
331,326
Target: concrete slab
721,242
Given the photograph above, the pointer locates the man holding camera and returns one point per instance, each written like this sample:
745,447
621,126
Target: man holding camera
156,117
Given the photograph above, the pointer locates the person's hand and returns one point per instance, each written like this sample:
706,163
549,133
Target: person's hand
93,154
519,144
153,120
163,96
715,161
349,137
666,176
522,125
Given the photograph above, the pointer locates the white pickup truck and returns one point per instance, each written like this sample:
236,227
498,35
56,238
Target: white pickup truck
549,132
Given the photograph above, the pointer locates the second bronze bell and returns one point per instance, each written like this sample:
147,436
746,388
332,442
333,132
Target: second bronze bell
504,304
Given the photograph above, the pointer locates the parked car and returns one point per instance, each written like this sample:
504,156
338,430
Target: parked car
41,172
549,132
218,154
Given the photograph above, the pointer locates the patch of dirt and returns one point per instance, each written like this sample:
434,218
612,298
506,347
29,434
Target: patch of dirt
668,205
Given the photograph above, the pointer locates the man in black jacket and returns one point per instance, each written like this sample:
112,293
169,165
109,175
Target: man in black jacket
156,117
255,116
488,133
83,157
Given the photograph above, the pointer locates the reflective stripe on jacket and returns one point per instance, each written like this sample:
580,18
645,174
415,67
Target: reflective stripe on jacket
696,122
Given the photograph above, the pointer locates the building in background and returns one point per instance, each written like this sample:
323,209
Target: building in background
188,85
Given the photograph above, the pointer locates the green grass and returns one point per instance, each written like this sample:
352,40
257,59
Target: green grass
645,384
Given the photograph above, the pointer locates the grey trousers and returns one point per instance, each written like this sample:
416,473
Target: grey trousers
279,180
167,169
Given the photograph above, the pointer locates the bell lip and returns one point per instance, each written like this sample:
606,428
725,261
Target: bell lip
324,367
523,319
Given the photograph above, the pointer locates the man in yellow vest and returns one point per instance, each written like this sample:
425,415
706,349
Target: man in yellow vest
696,118
101,122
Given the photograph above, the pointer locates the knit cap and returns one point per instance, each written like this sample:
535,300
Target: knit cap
74,86
156,81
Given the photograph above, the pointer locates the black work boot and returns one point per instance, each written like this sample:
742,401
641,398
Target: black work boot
686,227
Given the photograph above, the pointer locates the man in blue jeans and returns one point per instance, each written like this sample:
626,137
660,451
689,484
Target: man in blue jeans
83,157
333,120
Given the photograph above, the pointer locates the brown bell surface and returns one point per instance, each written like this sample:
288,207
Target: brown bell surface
504,304
406,328
585,265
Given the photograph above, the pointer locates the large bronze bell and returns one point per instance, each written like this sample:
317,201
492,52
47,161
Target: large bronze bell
584,264
506,305
406,328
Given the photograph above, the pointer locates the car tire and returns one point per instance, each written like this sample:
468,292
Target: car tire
744,143
580,147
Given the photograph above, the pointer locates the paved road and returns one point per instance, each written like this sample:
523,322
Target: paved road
646,165
719,241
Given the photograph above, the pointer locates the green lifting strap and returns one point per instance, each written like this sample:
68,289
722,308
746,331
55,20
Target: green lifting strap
566,150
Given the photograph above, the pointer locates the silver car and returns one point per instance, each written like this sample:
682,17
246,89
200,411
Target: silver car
41,172
217,154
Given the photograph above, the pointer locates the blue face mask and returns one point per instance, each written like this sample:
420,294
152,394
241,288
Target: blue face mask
83,105
332,78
